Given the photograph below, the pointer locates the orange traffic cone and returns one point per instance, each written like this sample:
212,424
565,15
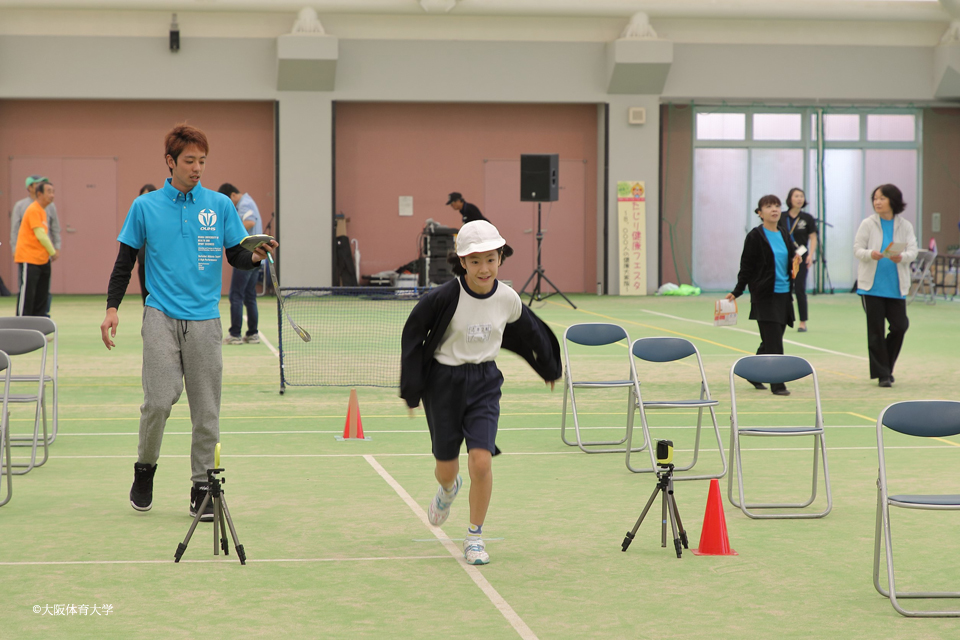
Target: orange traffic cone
353,429
713,536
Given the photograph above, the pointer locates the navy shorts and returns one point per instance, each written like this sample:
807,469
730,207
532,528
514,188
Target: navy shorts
462,403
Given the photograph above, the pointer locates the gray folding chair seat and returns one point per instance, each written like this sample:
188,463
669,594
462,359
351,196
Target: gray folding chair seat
663,350
596,334
16,342
47,327
774,369
921,419
4,435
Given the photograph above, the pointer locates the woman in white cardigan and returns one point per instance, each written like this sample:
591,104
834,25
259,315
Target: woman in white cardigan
884,281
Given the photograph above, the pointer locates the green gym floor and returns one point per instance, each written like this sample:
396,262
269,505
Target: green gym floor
336,538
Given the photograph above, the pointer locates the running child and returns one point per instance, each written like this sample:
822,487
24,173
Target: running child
450,342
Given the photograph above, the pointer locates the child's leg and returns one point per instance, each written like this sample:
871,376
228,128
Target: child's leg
481,483
446,472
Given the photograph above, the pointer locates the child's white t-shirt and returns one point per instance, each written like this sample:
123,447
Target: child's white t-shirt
476,329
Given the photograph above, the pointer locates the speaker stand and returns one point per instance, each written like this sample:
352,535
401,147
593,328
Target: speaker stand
538,273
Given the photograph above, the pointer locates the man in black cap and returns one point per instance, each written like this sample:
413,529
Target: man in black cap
470,212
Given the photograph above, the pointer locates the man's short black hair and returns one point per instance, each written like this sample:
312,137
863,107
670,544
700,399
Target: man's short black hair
41,186
228,189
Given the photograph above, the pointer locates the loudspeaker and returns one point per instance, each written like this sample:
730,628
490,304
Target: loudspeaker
539,181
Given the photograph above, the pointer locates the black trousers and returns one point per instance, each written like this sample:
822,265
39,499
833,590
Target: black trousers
800,290
771,342
884,351
34,289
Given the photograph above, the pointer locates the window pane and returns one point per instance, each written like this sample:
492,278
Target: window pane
891,128
776,126
841,127
893,166
774,171
720,213
721,126
843,209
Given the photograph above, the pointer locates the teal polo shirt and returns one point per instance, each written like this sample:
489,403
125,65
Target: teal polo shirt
184,236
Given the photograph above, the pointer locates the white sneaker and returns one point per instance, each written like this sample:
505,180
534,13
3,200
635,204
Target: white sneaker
439,509
474,551
252,339
232,340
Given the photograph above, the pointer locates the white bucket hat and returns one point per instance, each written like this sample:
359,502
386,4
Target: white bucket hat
478,236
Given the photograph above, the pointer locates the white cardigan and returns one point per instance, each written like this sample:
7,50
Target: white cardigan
869,238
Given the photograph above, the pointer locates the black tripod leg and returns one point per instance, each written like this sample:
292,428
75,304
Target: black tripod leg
633,533
218,513
233,532
676,515
196,519
663,520
560,292
216,549
673,523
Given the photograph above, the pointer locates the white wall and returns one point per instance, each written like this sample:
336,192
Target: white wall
225,68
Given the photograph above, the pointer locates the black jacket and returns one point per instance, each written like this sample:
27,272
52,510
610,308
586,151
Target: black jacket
757,269
529,337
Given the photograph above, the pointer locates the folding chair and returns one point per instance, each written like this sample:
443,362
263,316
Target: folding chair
596,334
660,350
4,436
774,369
922,419
15,342
920,277
47,327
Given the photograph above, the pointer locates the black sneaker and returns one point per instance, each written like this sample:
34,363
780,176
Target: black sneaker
197,494
758,385
141,493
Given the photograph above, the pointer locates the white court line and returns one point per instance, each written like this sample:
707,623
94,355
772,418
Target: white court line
269,344
754,333
462,455
263,338
230,560
389,431
515,621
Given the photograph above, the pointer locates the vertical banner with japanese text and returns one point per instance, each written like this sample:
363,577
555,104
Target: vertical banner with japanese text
632,219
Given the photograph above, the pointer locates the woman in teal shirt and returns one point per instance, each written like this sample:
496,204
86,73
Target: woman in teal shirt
885,280
766,267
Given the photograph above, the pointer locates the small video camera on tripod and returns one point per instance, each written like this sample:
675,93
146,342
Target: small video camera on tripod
665,453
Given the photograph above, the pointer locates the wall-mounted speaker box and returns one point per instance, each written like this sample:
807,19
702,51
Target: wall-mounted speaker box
539,177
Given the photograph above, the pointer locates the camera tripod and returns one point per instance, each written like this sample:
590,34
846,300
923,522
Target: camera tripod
221,516
538,273
664,484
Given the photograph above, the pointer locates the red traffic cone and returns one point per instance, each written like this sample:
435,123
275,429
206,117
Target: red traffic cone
353,429
713,536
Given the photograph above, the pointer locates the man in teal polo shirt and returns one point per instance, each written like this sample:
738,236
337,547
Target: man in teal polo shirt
184,229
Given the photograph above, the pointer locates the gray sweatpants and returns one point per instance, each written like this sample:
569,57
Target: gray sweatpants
177,352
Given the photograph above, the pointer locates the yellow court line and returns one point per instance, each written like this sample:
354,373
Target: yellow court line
650,326
947,441
837,373
860,415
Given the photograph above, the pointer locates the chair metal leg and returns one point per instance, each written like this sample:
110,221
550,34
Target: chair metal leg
5,454
819,447
589,446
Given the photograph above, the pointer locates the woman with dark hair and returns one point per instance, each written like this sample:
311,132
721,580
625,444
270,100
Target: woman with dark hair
802,228
141,269
766,266
884,280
